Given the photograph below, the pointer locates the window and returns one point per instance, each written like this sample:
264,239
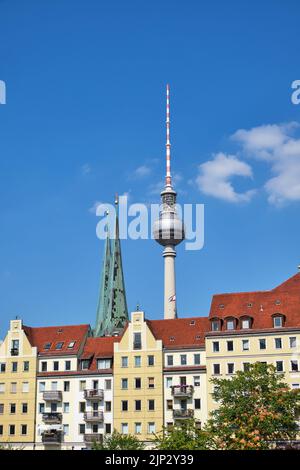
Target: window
14,367
246,323
82,407
53,407
66,429
12,408
197,359
66,407
151,428
138,405
82,385
215,325
293,341
44,366
183,359
107,428
151,405
137,361
107,384
278,343
103,364
169,360
41,408
42,386
13,387
137,382
137,341
15,347
230,324
124,405
124,361
246,366
216,369
47,345
169,381
124,384
55,365
294,366
295,385
279,366
24,408
245,344
151,360
2,367
1,408
197,404
262,343
81,428
277,322
1,429
138,428
169,404
54,386
59,345
23,429
85,363
230,368
124,428
216,346
12,429
151,383
71,344
67,365
108,406
197,381
26,366
66,386
229,345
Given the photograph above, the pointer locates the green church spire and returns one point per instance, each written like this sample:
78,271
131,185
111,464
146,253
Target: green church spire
112,311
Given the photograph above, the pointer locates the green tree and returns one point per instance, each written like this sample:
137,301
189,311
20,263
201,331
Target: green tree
255,408
117,441
186,436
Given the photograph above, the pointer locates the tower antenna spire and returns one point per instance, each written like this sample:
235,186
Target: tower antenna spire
168,144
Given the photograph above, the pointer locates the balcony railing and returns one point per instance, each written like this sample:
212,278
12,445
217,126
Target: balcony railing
14,351
94,437
182,391
95,416
93,394
53,395
183,414
51,437
52,418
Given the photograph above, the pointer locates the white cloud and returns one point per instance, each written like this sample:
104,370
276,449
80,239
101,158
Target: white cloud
276,144
142,171
86,169
93,208
214,178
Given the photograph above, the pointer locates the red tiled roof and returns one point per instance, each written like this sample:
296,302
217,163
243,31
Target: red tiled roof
57,334
180,332
100,347
261,305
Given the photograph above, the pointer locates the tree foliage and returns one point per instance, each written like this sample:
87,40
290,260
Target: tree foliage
117,441
255,408
186,436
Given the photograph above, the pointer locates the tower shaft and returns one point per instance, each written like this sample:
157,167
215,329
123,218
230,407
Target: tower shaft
170,310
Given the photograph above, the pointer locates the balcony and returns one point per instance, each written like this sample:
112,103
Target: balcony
182,391
52,418
53,395
93,416
94,437
14,352
51,437
183,414
93,394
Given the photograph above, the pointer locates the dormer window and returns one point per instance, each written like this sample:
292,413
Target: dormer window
59,345
230,324
221,306
85,364
250,304
71,344
215,325
47,345
246,323
277,321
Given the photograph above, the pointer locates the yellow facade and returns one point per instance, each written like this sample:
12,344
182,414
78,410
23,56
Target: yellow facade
280,348
18,361
138,381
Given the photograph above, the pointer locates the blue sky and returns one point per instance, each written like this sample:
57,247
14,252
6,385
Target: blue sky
85,118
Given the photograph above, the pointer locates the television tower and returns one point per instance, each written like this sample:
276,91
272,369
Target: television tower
168,230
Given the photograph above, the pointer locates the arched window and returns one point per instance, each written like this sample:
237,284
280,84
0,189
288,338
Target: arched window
230,323
245,322
215,324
